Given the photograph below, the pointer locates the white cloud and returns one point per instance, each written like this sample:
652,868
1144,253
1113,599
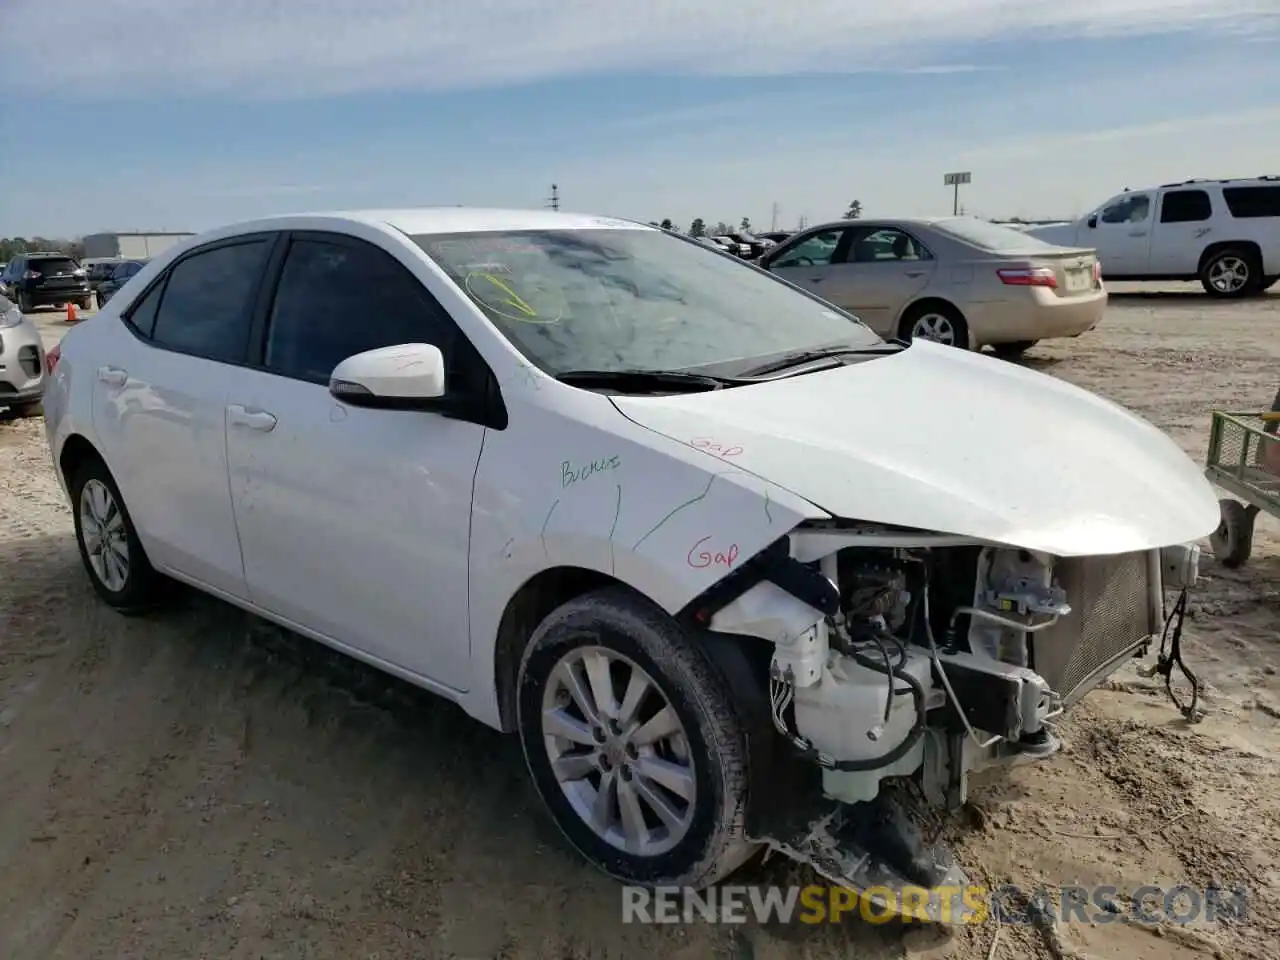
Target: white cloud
290,48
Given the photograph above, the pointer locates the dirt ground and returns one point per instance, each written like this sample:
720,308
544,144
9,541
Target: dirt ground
196,784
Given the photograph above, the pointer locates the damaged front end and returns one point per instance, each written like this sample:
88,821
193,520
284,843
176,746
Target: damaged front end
901,662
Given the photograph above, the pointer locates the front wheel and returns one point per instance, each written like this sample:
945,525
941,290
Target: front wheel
632,743
939,322
109,546
1230,273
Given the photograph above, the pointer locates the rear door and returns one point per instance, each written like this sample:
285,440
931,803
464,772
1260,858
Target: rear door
878,272
160,399
1183,229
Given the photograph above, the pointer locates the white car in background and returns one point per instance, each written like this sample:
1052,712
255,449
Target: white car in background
21,361
1224,233
687,530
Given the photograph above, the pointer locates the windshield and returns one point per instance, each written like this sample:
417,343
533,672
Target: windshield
991,236
622,299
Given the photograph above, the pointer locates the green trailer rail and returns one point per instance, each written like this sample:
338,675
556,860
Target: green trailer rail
1244,460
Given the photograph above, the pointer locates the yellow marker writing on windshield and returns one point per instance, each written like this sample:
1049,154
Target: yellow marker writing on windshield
512,299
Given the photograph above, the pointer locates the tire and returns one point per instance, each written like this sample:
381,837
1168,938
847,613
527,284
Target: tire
24,302
32,408
1232,542
942,317
1231,273
1013,351
85,303
615,625
141,586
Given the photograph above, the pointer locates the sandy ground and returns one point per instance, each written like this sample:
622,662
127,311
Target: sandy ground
196,784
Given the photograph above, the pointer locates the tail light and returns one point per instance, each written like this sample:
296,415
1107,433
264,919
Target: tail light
1028,277
1097,272
52,357
32,275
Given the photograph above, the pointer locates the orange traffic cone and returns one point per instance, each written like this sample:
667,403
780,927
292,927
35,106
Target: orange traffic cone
71,313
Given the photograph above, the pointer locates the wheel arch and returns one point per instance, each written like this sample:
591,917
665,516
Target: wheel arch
1249,246
76,451
931,301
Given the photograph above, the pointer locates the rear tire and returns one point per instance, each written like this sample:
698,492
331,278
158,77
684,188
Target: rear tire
109,546
85,304
576,678
24,302
1231,273
1232,542
1013,351
939,322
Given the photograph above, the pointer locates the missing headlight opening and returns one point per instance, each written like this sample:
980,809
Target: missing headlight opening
942,656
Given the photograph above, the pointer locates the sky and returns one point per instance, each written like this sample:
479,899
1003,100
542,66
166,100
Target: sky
187,114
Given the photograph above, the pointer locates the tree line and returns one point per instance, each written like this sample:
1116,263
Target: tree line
700,228
11,247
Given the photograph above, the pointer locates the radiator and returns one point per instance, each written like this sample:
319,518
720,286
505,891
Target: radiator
1111,616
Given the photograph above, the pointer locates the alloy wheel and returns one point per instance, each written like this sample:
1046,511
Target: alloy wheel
103,534
618,751
935,327
1228,274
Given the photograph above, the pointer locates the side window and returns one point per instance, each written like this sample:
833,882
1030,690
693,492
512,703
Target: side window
1185,206
814,251
1132,208
337,299
208,302
889,245
142,315
1247,203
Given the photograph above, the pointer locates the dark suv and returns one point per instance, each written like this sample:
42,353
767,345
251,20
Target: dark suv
46,279
120,274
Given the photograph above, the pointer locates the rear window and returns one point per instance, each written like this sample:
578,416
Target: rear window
50,265
989,236
1247,203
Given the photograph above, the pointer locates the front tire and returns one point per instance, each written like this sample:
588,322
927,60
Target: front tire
1231,273
939,322
1232,542
109,546
633,744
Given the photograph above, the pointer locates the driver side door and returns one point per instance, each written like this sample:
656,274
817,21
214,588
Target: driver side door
1122,235
354,521
808,260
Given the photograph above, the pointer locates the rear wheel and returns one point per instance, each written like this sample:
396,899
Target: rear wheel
1231,272
24,301
939,322
85,304
109,545
632,742
1013,351
1232,542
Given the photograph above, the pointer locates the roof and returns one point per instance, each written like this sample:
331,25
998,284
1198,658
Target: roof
416,220
142,233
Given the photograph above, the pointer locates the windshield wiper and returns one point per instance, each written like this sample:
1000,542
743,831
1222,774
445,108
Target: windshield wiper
645,381
801,357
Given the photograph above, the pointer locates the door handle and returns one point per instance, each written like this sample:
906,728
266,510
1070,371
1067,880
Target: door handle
113,376
239,416
915,273
1138,233
815,280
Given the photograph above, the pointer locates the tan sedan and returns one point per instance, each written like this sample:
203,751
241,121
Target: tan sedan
960,281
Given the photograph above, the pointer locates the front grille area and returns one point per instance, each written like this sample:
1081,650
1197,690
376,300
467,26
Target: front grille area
1110,615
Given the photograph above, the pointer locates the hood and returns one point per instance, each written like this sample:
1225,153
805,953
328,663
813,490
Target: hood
949,441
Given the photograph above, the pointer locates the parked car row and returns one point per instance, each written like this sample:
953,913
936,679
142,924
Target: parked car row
51,279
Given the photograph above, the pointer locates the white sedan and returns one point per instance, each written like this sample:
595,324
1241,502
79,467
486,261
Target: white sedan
686,529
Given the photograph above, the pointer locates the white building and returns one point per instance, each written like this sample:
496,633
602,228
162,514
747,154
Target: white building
129,246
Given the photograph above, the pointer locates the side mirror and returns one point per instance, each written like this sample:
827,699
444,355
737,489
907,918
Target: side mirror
1092,221
408,376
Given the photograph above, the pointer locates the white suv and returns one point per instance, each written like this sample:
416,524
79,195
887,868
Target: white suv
1225,233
